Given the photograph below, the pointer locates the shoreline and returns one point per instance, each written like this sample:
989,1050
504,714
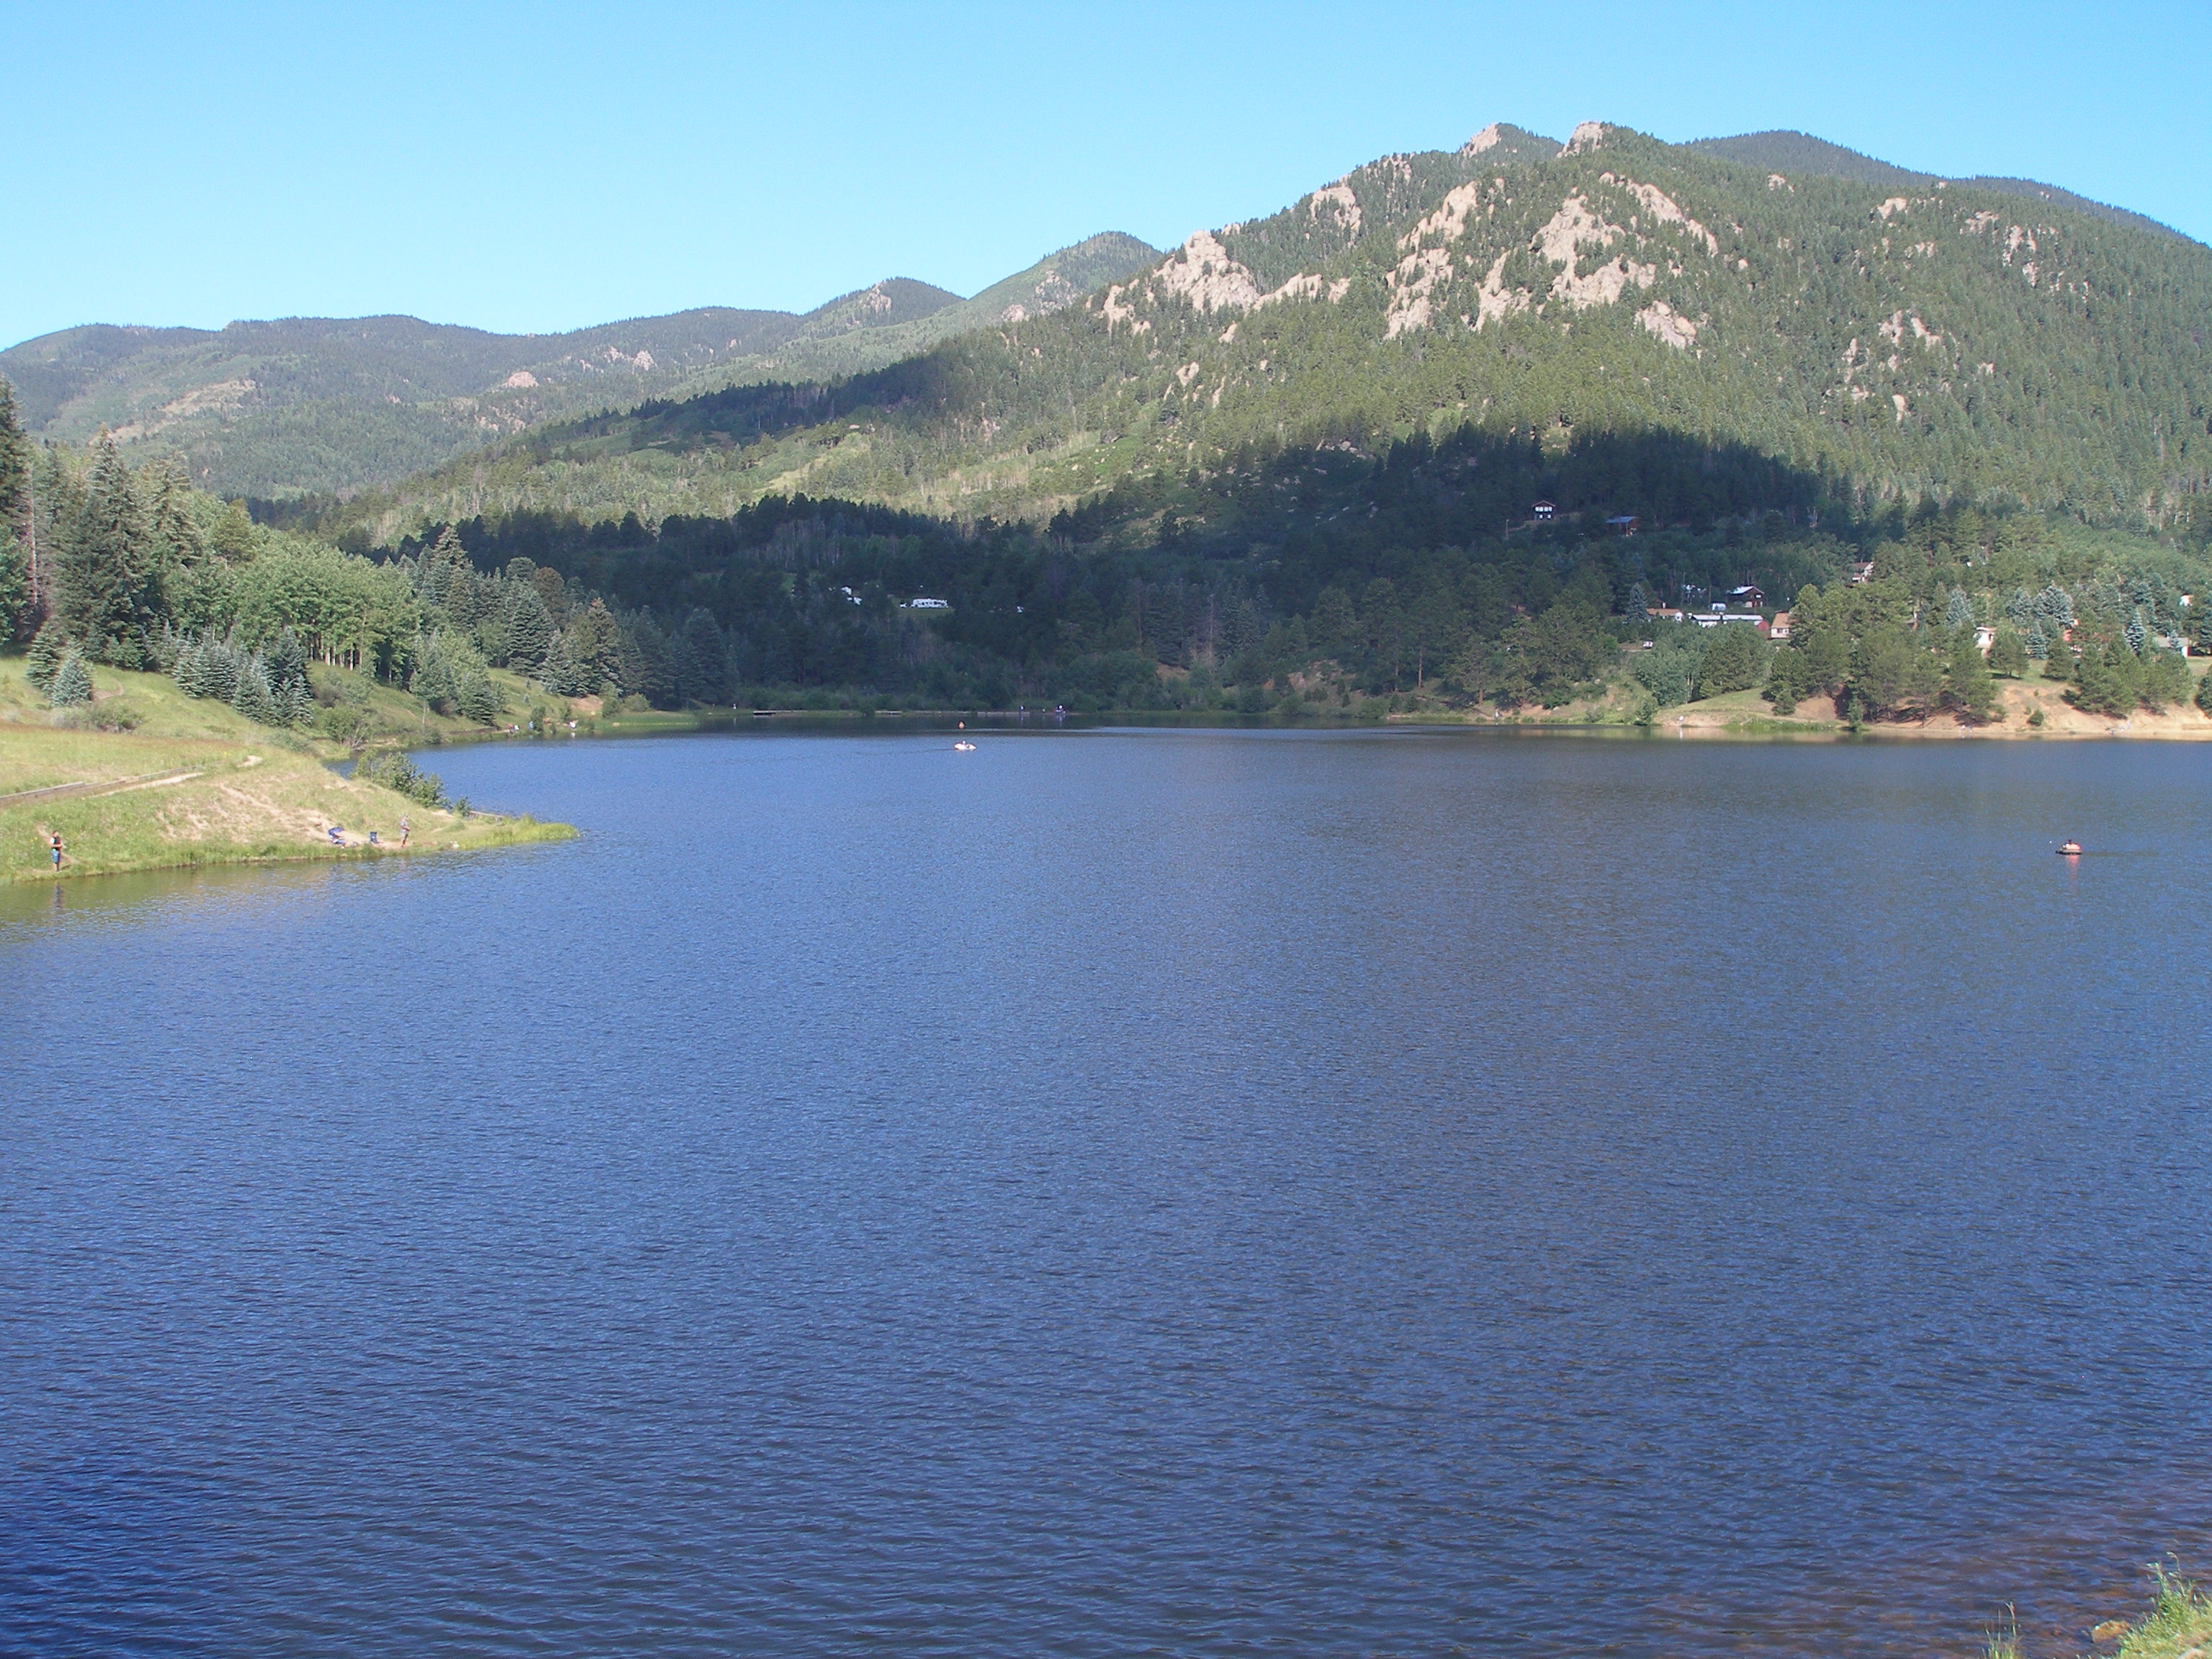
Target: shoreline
179,783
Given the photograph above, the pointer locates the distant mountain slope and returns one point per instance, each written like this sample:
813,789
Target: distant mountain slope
315,406
822,354
1786,152
1891,345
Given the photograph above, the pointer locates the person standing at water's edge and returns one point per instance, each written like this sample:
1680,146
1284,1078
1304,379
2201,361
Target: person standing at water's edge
58,852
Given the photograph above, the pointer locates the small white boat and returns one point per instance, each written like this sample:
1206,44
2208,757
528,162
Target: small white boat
963,745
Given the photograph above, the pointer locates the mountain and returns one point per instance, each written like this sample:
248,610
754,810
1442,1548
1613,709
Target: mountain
320,406
822,351
1797,152
1676,333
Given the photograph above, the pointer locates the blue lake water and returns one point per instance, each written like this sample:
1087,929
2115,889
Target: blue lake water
1198,1193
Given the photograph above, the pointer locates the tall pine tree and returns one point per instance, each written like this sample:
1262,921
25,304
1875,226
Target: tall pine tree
18,571
101,565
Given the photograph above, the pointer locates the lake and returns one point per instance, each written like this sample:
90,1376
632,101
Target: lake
1178,1191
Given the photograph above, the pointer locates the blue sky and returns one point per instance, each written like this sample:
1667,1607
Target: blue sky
545,167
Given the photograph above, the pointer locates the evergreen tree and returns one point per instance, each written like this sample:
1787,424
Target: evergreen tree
14,465
708,659
1959,612
72,683
174,533
2164,680
2104,682
289,688
530,629
2204,694
251,697
101,565
48,647
558,673
1969,690
2138,636
2008,657
17,596
1788,678
15,585
1736,661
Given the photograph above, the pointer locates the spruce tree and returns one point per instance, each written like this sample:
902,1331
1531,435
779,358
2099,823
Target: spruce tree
48,647
288,688
101,565
72,685
709,658
557,673
15,466
529,628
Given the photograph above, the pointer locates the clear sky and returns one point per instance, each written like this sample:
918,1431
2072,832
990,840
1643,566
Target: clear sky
541,166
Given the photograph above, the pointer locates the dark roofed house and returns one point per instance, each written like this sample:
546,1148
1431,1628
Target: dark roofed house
1544,512
1624,523
1750,598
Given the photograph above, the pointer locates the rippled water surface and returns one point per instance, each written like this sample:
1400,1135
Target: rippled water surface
1179,1193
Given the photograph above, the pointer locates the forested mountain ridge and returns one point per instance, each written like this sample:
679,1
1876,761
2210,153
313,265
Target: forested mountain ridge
1791,152
1953,343
322,406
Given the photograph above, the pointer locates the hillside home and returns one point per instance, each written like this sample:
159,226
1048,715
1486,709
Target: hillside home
1751,598
1780,628
1624,523
928,604
1544,512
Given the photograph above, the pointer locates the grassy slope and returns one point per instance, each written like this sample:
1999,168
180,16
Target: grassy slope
251,793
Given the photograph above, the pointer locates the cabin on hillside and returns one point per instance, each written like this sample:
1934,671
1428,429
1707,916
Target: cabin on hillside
1861,573
1544,512
1750,598
928,604
1624,523
1780,628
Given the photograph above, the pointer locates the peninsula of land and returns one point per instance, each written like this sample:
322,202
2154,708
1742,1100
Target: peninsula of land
143,777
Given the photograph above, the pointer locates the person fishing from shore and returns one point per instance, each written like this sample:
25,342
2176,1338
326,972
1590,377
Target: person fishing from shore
58,852
406,829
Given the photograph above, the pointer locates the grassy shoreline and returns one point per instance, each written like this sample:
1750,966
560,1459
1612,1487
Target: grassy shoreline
191,783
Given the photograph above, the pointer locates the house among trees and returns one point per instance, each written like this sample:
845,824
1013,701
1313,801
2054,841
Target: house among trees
1750,598
1779,629
1544,512
1624,523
